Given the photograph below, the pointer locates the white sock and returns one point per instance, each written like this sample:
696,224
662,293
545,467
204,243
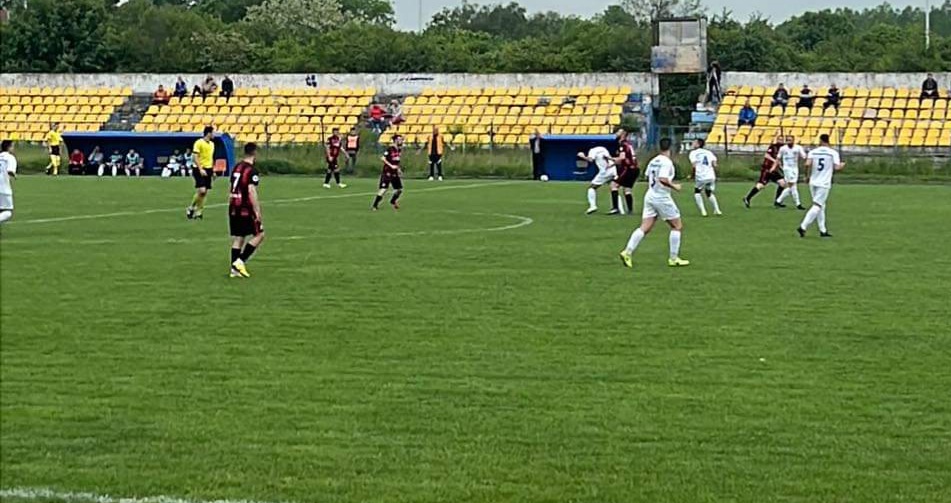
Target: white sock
592,198
810,217
102,169
674,244
714,203
783,195
635,240
822,220
5,215
795,195
699,199
114,168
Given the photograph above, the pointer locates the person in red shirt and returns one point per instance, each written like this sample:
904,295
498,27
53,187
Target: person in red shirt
160,96
768,172
77,163
376,118
392,174
244,213
333,151
627,173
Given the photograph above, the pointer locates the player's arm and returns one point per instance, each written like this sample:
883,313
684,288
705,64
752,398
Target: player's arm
12,167
808,169
666,182
386,162
582,156
255,204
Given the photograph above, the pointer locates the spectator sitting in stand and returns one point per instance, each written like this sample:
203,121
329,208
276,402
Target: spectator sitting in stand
310,81
833,98
929,88
780,97
77,162
181,88
94,161
227,87
395,111
160,96
747,115
207,88
807,98
376,118
133,163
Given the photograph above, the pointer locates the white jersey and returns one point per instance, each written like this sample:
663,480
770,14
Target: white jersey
601,157
8,166
703,161
824,161
789,156
659,167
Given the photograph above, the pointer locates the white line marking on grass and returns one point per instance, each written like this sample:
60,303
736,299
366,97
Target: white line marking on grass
45,493
266,203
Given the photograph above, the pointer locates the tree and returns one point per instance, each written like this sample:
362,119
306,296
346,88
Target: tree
297,18
368,11
651,10
41,38
506,21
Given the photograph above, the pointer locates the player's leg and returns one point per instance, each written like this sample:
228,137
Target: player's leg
758,186
629,199
328,175
432,167
250,246
780,188
649,217
237,243
115,170
614,198
698,198
794,190
711,191
5,215
676,234
384,184
337,177
818,204
6,207
54,162
439,167
592,198
397,192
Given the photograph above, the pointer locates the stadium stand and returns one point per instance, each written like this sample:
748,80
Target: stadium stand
26,113
866,118
508,116
287,115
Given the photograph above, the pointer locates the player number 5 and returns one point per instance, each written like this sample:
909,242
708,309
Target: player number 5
822,164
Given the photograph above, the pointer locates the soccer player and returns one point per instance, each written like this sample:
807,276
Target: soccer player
8,170
789,156
628,171
334,149
203,155
821,164
659,203
54,142
244,213
392,175
704,165
768,172
133,163
606,174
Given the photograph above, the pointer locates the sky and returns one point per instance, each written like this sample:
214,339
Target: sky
407,11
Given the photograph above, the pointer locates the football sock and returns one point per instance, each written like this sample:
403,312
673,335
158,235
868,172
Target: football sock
614,199
194,201
822,220
779,192
674,244
327,177
795,195
629,199
115,170
5,215
337,177
101,170
592,198
376,201
782,197
235,254
635,240
699,199
810,217
201,204
752,193
396,196
714,203
248,251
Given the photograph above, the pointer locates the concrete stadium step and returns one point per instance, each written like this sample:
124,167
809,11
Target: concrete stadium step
129,113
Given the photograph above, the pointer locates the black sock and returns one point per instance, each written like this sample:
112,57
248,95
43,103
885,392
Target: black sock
248,251
439,168
614,199
376,202
629,199
235,254
779,192
327,177
396,196
337,177
752,193
432,170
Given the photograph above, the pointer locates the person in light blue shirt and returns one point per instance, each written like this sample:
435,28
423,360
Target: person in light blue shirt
747,115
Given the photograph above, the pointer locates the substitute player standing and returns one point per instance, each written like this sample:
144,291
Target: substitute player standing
821,164
659,204
628,171
704,165
8,171
334,149
789,156
54,143
606,174
768,172
392,175
203,155
244,213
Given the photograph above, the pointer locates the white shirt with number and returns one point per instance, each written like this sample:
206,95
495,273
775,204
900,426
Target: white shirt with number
824,161
659,167
703,161
8,166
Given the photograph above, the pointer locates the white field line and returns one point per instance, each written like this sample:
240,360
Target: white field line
44,493
265,203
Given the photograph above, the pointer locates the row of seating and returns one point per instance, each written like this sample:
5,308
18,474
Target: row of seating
842,112
847,92
260,111
559,100
765,136
65,91
246,101
502,136
504,110
360,92
247,119
528,91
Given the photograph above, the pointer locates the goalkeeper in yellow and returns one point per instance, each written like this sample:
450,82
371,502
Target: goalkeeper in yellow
203,154
54,143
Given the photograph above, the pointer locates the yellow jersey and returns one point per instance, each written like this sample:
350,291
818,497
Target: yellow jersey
204,153
53,138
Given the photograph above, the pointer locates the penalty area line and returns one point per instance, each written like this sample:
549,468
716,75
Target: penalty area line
46,494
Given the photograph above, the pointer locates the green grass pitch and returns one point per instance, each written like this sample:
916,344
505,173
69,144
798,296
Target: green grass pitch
484,344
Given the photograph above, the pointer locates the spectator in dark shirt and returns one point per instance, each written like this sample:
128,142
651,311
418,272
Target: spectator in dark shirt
181,88
780,97
94,161
538,159
206,89
747,115
77,162
833,98
807,98
929,88
714,91
227,87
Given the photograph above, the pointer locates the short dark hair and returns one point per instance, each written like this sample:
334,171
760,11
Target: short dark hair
5,145
665,144
250,148
208,130
701,142
824,138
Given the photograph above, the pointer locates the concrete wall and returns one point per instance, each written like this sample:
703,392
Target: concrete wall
796,80
384,83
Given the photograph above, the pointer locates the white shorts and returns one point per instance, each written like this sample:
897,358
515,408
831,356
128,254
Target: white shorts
707,184
819,194
791,175
660,207
605,177
6,201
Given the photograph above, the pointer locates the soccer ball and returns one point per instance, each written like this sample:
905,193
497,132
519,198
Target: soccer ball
543,178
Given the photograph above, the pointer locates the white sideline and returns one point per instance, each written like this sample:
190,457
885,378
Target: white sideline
45,493
265,203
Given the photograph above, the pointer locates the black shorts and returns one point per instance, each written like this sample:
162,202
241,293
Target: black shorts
202,181
242,226
628,177
54,150
766,176
395,181
435,158
333,165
